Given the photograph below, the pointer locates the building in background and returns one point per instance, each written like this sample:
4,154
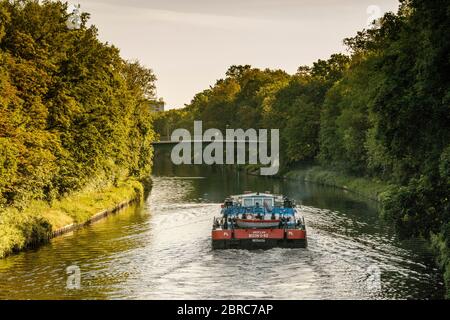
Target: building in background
157,105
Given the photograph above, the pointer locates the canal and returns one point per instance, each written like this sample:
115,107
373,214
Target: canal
161,249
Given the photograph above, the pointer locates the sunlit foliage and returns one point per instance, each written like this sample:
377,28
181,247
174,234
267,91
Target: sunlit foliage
72,111
382,111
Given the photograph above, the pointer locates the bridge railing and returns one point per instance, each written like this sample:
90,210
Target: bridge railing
168,141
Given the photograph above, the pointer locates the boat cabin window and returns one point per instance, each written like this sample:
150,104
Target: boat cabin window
261,202
268,203
258,202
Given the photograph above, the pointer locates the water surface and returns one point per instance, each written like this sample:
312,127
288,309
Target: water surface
162,249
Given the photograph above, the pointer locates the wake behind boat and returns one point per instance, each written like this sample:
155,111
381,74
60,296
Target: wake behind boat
258,220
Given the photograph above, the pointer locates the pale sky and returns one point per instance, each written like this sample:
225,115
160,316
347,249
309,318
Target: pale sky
191,44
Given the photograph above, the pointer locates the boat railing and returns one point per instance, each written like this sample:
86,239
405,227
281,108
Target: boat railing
236,210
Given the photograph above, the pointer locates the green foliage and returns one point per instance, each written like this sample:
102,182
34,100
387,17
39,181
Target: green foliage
72,110
368,187
382,113
73,115
345,119
417,208
20,229
253,98
440,243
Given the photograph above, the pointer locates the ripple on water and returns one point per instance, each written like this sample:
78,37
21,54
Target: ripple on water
162,250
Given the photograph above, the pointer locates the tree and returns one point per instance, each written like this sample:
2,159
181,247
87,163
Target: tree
72,111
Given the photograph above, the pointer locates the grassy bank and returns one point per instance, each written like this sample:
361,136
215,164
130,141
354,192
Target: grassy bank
440,245
373,189
35,224
369,188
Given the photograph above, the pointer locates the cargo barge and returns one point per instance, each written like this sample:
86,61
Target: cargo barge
258,221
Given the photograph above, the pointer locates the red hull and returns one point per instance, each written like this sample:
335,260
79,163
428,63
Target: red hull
258,234
258,238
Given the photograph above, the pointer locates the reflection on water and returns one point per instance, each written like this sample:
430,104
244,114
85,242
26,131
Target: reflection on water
162,249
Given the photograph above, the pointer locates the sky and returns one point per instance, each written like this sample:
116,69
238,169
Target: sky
191,44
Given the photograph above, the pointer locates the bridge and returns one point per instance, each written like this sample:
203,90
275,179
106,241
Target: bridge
167,141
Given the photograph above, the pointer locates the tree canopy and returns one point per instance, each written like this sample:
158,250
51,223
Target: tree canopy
382,110
72,111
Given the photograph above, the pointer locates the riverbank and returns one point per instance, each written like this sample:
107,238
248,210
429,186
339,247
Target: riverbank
40,221
372,189
440,245
369,188
366,187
